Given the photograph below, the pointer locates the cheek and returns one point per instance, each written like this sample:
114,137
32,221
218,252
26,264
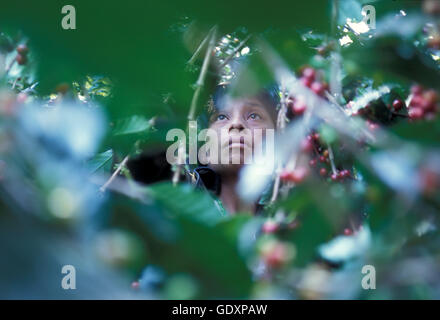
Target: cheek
218,129
259,133
262,124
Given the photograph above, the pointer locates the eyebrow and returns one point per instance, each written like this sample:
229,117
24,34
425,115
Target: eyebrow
253,104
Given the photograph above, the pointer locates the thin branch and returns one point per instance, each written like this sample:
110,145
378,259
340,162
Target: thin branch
276,187
399,115
181,159
151,122
335,68
113,176
281,124
195,98
200,47
10,65
202,75
335,103
131,189
335,15
282,119
332,158
14,83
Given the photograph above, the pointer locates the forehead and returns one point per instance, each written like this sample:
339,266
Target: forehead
239,104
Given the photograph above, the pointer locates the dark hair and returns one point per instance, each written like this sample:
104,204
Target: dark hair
269,95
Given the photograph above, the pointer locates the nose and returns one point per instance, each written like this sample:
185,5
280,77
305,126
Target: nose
236,124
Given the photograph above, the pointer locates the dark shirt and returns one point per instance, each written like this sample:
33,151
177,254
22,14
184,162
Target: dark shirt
206,178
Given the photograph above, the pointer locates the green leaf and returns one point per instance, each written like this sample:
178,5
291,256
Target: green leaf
424,132
183,200
131,125
314,231
321,215
391,59
101,160
182,243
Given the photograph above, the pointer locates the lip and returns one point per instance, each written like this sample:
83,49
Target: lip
237,142
237,145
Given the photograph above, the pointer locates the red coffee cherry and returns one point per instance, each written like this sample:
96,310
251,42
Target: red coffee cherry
270,226
309,73
299,107
307,82
306,145
21,59
297,176
416,89
318,88
398,104
415,113
316,136
22,49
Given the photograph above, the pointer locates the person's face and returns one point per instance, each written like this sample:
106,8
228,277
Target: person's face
235,125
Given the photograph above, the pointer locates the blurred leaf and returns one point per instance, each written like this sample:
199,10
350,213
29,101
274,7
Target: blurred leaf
101,160
349,9
423,132
193,245
186,201
314,231
319,220
130,125
389,58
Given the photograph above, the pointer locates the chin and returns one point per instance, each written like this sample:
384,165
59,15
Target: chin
226,167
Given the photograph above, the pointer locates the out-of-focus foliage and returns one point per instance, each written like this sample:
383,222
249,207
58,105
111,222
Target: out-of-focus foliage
83,102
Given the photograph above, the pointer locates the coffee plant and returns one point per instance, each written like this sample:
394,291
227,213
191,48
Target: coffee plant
84,115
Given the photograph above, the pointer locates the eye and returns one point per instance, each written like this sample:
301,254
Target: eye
254,116
221,117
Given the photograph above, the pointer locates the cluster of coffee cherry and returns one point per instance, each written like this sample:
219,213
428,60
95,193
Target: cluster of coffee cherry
296,176
313,146
275,254
22,52
309,78
423,104
271,226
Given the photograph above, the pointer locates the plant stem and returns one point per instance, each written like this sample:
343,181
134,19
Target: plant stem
335,68
113,176
332,158
202,75
200,47
130,188
281,124
181,155
335,103
10,65
195,98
